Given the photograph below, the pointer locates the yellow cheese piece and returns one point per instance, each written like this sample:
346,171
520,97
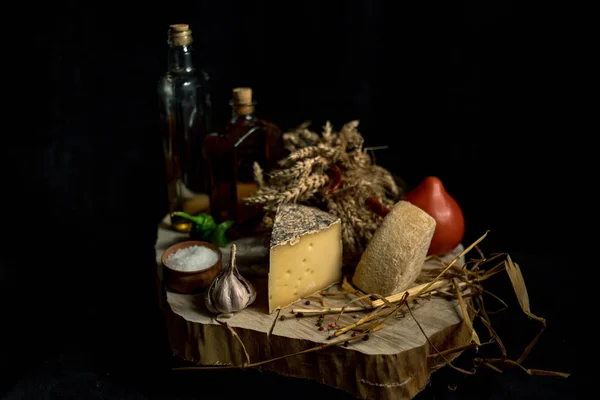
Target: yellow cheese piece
395,254
305,254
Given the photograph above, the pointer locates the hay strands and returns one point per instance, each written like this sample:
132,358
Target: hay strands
449,281
410,294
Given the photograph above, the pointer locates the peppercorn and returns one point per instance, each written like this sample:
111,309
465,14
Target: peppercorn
365,338
321,327
346,344
331,326
282,318
307,302
354,334
299,315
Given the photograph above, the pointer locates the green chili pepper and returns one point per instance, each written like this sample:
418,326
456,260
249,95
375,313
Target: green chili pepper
206,228
218,235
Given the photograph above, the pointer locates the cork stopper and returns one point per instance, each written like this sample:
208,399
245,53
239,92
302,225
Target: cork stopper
242,96
180,35
179,27
242,100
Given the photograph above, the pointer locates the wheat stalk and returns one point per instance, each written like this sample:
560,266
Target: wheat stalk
303,177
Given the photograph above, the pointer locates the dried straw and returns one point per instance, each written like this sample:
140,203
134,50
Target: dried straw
464,287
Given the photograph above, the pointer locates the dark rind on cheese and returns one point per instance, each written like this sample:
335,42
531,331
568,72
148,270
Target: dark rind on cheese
295,220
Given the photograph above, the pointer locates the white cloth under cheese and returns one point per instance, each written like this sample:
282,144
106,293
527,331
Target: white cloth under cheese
395,255
305,254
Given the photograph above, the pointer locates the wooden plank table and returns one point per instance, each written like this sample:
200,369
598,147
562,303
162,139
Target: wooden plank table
393,363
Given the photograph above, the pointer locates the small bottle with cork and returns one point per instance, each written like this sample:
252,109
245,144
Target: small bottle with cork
185,116
232,152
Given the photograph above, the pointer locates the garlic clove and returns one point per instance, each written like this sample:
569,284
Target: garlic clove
229,292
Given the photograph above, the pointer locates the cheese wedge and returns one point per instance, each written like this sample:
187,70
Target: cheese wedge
395,254
305,254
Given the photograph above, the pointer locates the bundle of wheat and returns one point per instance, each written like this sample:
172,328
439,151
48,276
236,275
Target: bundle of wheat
334,172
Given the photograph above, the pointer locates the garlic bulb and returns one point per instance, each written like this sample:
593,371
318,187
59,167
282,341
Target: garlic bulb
229,292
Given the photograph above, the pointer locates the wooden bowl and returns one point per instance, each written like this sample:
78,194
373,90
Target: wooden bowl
190,281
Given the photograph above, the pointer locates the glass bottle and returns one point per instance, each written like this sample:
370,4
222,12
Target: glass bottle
185,113
232,151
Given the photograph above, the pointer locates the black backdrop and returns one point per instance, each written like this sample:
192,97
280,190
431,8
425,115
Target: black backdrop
460,91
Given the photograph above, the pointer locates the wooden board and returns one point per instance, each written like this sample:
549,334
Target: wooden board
392,364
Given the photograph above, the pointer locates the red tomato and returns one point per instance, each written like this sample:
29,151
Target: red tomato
431,197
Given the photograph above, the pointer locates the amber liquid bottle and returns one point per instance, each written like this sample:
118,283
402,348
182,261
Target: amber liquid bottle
232,151
185,115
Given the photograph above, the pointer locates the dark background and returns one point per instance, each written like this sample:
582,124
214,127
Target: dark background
469,92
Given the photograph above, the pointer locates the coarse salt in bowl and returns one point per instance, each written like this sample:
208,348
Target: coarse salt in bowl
191,266
192,258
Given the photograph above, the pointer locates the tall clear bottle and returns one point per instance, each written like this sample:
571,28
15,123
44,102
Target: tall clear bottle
185,114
